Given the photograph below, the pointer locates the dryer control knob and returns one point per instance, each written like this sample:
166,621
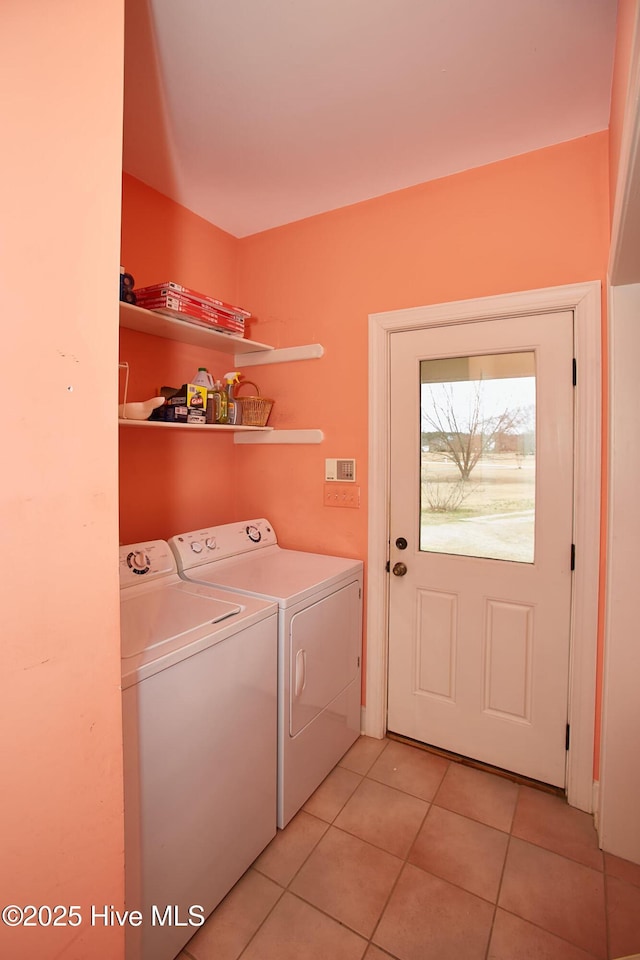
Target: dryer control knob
210,543
196,546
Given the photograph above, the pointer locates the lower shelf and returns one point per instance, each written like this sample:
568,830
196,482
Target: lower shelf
282,436
243,434
217,427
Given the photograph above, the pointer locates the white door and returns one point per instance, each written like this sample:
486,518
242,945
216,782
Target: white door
481,492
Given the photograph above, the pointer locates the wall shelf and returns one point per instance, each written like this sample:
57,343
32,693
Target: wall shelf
216,427
158,325
283,436
310,351
245,353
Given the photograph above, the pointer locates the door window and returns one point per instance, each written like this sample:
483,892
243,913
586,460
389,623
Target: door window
478,456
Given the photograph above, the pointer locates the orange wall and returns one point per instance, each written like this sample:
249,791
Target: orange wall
536,220
163,241
61,817
172,482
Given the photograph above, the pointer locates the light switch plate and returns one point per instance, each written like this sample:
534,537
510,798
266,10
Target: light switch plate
341,495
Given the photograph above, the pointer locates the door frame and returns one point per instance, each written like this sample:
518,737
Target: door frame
584,299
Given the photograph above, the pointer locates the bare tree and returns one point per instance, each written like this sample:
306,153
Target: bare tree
464,436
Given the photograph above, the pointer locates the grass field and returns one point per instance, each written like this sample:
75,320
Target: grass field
500,484
496,517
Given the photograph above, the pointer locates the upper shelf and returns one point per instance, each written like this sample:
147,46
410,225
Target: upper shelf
157,324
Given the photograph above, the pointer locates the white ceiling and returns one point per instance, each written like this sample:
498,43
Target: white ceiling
255,113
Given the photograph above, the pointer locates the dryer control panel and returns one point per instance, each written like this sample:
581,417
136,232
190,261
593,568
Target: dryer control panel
219,543
145,561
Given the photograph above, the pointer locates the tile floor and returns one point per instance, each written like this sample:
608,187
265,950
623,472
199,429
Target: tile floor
403,854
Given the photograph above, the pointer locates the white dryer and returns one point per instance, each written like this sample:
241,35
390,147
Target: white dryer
319,641
199,697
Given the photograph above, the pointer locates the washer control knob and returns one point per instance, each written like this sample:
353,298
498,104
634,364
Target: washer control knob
254,533
196,546
210,543
138,562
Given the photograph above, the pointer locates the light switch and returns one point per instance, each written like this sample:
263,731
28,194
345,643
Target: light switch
341,495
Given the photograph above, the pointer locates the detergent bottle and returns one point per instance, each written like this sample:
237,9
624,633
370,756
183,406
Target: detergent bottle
234,407
203,378
219,402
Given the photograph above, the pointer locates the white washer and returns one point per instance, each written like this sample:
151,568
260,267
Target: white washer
199,680
319,641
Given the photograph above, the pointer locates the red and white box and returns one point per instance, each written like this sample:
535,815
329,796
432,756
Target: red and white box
174,306
171,288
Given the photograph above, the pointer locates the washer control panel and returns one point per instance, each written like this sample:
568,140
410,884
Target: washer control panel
145,561
218,543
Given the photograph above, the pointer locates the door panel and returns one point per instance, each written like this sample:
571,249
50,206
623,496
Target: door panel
436,638
481,485
507,667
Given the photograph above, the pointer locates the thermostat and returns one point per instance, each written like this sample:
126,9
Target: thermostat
342,470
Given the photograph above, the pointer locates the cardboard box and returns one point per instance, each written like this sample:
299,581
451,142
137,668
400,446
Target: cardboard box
176,414
182,310
189,401
196,398
171,287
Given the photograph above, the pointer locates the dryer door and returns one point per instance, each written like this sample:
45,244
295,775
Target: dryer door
324,653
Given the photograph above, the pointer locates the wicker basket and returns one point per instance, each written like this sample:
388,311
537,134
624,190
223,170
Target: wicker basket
255,410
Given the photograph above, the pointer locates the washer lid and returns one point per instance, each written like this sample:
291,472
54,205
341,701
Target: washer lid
153,617
274,573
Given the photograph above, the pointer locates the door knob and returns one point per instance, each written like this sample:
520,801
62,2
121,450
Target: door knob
399,569
401,543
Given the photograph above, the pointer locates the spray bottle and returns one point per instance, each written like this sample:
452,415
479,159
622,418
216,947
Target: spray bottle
234,407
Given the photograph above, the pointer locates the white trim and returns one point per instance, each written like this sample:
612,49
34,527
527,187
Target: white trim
587,493
618,826
595,805
310,351
584,300
625,225
616,819
280,436
363,720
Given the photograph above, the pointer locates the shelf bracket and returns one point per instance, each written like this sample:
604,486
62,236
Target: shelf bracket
281,436
311,351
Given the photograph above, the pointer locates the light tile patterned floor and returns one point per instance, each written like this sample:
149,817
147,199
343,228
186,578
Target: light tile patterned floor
403,854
